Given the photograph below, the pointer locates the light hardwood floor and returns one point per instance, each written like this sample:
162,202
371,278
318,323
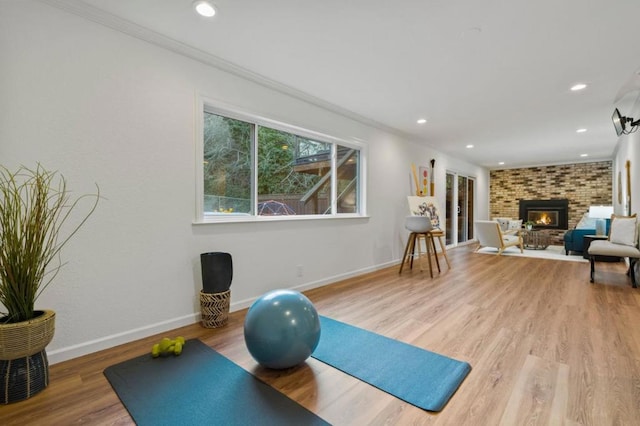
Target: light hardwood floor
546,347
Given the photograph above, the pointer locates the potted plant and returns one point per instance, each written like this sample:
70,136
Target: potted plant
35,224
529,225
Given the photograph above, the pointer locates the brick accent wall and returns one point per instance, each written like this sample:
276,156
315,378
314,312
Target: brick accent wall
583,184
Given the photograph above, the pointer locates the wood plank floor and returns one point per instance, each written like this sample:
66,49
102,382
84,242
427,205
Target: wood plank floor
546,347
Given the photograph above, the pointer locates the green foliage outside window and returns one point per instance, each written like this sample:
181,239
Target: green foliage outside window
291,169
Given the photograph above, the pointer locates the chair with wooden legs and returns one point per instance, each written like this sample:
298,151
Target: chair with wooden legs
419,227
439,233
489,234
428,207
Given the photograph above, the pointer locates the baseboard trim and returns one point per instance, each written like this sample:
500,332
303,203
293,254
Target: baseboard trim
70,352
242,304
85,348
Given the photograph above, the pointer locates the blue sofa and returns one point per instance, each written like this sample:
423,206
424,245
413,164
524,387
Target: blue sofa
574,238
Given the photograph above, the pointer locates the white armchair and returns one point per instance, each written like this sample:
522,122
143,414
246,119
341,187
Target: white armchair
489,234
509,226
622,242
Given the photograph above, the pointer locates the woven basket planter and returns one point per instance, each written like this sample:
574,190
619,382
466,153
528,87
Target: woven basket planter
23,377
21,339
214,308
24,368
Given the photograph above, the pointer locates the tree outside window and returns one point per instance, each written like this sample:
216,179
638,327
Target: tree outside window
293,174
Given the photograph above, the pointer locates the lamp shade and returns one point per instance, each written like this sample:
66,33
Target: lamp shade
600,212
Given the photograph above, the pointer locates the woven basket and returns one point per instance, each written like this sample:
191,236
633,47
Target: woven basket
214,308
24,377
26,338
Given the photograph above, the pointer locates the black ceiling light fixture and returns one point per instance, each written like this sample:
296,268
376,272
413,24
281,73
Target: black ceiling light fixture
623,125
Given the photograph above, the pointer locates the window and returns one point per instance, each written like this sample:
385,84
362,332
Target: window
254,167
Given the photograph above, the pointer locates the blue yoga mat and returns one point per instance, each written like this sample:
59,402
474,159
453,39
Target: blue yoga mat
201,387
417,376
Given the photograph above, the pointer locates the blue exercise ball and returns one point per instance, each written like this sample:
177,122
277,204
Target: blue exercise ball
281,329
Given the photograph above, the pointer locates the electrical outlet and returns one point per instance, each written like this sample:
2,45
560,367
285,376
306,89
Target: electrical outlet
299,270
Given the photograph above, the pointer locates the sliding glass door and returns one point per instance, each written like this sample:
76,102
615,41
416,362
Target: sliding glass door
460,208
450,210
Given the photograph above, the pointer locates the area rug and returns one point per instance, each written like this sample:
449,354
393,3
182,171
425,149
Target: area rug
551,252
201,387
417,376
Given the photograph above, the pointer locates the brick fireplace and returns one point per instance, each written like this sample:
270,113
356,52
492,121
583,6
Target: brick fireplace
545,214
581,184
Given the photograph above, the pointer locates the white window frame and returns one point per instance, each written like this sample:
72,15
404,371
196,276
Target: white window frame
205,105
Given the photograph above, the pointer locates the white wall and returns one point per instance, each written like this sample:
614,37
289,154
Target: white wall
107,108
628,149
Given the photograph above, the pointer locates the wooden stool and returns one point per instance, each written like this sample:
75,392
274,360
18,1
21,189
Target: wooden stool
439,233
410,249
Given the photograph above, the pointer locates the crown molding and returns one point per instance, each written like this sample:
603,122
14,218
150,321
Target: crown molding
99,16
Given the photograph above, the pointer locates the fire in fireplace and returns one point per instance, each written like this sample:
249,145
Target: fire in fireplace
544,218
545,214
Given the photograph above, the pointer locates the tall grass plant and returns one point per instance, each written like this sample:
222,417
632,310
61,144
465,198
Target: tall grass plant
35,224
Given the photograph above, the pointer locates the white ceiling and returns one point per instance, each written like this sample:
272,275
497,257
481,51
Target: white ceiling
493,73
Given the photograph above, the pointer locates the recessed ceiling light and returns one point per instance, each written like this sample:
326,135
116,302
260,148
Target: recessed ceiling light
581,130
422,120
578,86
584,155
204,8
469,146
501,163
